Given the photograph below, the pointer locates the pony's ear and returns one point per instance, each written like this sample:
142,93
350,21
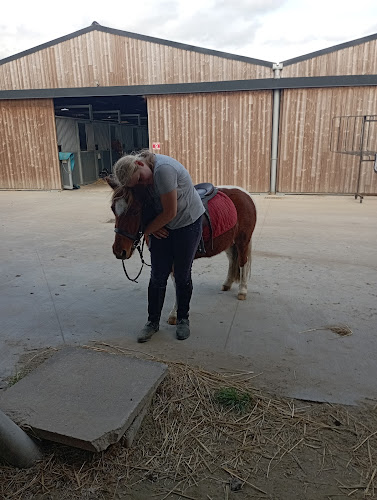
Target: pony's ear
111,182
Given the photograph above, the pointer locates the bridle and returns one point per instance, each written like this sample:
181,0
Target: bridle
136,245
134,237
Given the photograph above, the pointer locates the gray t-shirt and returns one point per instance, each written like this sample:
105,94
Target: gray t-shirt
169,174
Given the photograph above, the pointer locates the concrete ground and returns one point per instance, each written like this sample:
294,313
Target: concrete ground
314,266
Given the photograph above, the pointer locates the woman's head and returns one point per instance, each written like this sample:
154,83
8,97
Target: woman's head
124,169
135,169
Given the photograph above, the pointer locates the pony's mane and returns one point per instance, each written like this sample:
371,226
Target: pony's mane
129,195
122,192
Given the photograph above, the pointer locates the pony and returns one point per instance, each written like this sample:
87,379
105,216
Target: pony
130,217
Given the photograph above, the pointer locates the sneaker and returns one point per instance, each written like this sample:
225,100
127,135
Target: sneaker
183,329
147,332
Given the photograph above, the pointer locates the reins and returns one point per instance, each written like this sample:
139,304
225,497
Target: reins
140,250
135,246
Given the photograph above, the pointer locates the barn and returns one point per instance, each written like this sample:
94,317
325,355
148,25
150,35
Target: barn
69,108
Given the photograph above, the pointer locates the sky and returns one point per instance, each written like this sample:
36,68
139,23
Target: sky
271,30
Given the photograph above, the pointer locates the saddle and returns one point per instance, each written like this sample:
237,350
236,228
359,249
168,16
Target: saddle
206,191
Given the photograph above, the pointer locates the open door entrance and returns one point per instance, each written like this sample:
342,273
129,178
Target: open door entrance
98,131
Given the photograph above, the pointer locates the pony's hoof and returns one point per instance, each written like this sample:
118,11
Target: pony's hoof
172,320
225,288
241,296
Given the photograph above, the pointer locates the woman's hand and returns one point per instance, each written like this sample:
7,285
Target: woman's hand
161,233
169,211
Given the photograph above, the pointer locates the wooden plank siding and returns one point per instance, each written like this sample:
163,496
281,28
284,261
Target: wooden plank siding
103,59
355,60
305,162
223,138
28,150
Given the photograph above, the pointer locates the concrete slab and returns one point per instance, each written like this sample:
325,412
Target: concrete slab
132,430
84,398
314,264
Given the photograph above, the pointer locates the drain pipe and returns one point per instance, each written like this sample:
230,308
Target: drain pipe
277,67
16,447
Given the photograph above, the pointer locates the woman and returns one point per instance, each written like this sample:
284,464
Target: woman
174,234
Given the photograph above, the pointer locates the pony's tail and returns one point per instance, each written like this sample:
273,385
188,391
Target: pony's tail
235,267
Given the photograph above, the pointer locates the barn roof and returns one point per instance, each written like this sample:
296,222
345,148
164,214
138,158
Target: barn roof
98,27
333,48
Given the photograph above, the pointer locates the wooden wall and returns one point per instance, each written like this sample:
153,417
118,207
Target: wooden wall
223,138
102,59
28,148
356,60
306,164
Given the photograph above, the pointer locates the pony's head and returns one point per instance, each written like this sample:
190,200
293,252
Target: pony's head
127,208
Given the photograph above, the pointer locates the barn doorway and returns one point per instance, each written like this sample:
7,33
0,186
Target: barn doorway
96,131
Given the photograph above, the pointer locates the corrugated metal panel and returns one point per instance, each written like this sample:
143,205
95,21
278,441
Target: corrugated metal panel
127,138
223,138
140,138
104,59
306,164
28,150
89,136
355,60
102,135
134,137
66,129
76,175
88,166
144,137
115,133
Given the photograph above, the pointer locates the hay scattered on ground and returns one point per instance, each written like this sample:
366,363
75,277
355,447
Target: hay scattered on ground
29,362
190,439
342,330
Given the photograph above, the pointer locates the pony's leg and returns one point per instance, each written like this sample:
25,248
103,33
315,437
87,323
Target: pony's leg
173,313
242,288
245,268
229,279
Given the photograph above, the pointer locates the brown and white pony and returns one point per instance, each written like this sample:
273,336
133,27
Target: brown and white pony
236,242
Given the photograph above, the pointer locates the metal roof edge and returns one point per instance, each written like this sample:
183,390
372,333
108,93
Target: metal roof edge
47,44
198,87
183,46
328,50
160,41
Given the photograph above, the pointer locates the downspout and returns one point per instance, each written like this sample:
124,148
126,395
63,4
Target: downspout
275,129
16,447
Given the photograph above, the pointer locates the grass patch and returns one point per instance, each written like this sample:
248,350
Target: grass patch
230,397
16,378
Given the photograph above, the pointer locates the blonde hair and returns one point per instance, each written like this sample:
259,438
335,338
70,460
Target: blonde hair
147,156
126,166
124,169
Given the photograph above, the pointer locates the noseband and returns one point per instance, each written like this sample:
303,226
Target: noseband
134,237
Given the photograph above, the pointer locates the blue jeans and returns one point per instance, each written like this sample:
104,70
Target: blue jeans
176,251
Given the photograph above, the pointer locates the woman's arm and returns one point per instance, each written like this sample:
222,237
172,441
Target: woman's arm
169,211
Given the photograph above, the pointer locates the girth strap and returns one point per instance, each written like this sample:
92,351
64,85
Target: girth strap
206,191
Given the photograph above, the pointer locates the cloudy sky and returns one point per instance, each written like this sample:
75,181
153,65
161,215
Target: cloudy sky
272,30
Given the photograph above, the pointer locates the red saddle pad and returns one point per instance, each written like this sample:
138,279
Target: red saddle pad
223,216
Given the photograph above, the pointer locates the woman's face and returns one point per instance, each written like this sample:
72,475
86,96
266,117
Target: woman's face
142,177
